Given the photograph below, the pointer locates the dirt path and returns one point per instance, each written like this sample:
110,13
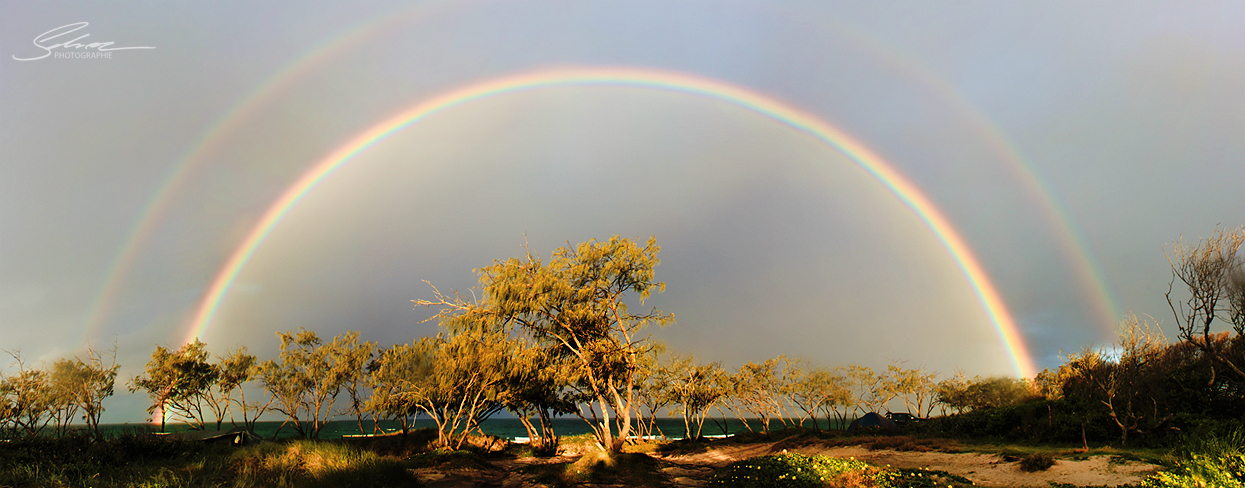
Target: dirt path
694,470
983,469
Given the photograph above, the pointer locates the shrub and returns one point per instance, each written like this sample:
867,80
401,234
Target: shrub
1038,461
793,470
1214,460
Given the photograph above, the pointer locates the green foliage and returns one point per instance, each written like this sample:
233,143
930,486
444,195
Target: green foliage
27,404
784,470
1061,421
989,392
147,460
758,391
35,398
695,388
177,383
795,470
1213,460
576,306
458,380
919,478
307,376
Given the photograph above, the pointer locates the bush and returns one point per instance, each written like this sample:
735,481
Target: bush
815,471
1038,461
1213,460
794,470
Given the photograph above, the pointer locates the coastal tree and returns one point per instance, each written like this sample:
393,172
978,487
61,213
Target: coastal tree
85,385
653,383
27,400
237,369
536,386
353,358
458,380
61,378
1132,382
758,391
915,387
177,382
395,378
1212,274
869,389
836,397
952,393
997,391
814,389
694,387
306,378
578,304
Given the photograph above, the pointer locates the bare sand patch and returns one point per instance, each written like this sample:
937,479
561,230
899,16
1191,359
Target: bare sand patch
983,469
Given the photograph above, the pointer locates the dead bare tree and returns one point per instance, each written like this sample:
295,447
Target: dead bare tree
1214,275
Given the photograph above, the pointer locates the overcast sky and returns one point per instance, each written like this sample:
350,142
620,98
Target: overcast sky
1067,142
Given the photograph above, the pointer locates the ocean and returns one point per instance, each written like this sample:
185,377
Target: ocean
510,428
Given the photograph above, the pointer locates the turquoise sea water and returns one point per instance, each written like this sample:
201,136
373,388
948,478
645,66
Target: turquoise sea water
510,428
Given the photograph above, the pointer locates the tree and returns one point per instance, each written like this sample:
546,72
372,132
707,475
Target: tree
816,389
306,378
237,369
396,378
963,395
1214,275
27,400
758,391
177,383
869,390
836,396
457,380
576,303
536,386
998,391
952,393
85,385
695,388
915,387
354,358
653,384
1131,385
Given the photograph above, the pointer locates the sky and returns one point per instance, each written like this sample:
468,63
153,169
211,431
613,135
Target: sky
975,186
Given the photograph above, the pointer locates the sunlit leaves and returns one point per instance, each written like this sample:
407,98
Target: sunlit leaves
575,306
307,376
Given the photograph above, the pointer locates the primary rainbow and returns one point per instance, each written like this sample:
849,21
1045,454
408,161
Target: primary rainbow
905,190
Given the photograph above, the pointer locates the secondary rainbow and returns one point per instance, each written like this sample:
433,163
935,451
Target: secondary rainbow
904,189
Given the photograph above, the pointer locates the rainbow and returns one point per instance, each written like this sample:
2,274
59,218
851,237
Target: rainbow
905,190
1087,271
282,80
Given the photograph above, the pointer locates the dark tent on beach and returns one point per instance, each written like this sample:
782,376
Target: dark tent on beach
871,421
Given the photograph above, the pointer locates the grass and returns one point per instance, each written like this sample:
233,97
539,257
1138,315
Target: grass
798,470
148,461
1211,460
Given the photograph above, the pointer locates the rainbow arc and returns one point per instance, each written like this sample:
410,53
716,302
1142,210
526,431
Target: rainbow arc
906,191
